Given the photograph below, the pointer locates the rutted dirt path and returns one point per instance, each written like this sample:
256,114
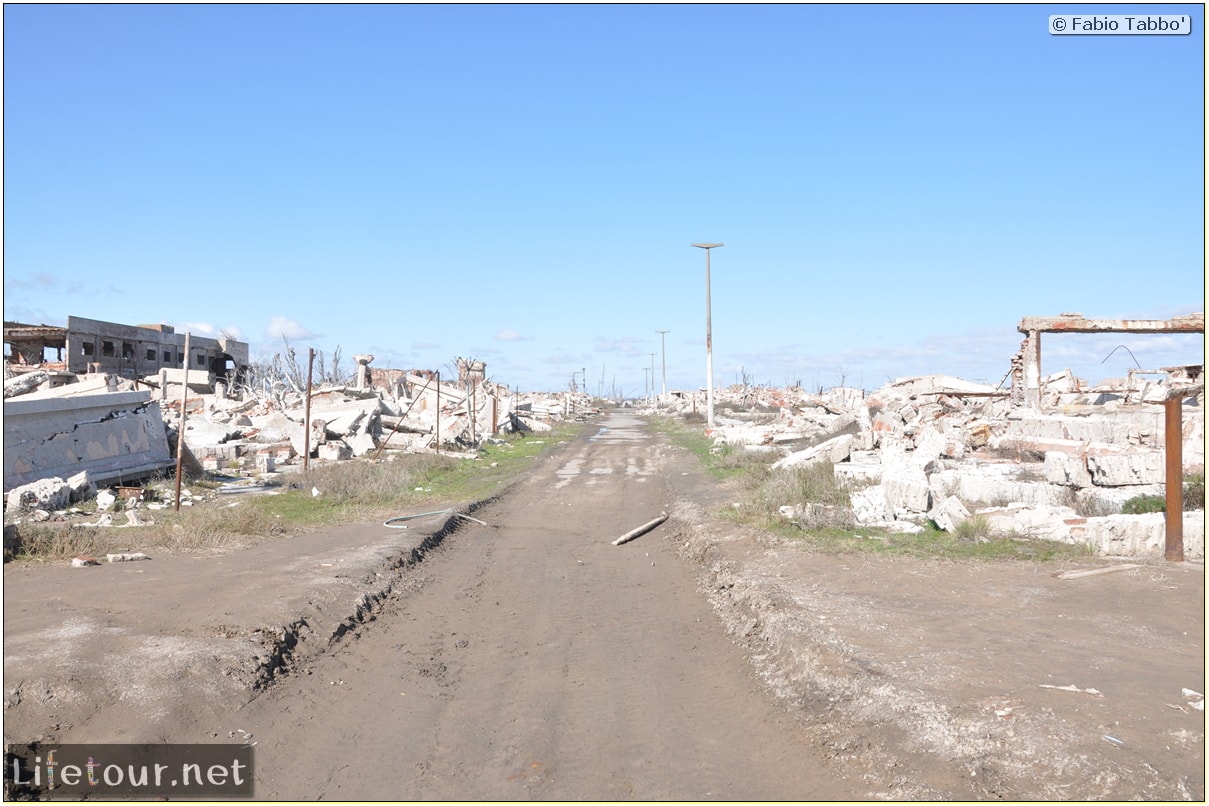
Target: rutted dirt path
533,659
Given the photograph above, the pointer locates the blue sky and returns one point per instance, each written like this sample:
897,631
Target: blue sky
896,186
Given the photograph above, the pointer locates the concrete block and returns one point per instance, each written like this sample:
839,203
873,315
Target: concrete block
834,450
861,466
1039,520
929,446
978,434
1123,469
83,488
361,444
51,493
987,484
949,513
869,505
1140,535
1143,426
1066,469
105,501
334,451
906,491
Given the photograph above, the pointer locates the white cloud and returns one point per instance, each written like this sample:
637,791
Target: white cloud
625,346
200,328
511,335
41,280
282,328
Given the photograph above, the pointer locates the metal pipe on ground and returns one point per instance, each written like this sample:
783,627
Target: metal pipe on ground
641,530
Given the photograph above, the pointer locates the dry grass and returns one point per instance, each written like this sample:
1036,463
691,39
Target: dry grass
353,491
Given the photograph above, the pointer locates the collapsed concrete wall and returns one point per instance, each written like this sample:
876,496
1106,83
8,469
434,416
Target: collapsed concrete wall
114,436
939,449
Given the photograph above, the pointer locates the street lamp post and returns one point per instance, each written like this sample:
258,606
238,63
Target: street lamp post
663,359
709,340
652,355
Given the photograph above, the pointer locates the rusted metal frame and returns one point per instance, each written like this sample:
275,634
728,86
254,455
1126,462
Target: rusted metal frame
1173,549
1077,324
1034,326
409,408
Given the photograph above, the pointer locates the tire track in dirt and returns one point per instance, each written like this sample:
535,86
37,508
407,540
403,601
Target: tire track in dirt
539,661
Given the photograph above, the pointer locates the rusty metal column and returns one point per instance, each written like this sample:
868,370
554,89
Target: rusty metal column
1173,428
438,432
495,415
306,439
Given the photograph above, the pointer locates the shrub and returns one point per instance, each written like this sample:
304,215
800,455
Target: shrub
1194,492
1141,504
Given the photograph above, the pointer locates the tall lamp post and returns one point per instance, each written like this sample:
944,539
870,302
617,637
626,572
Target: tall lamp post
663,359
709,340
652,355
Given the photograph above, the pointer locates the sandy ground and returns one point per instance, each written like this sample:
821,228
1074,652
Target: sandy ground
532,659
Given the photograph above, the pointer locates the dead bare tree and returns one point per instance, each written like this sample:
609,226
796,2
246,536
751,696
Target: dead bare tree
284,372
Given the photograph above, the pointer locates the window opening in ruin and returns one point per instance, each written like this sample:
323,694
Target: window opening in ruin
201,360
150,353
107,348
127,351
88,348
167,356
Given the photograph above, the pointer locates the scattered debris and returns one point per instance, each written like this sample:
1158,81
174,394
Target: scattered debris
84,562
1072,687
1053,457
940,450
1091,572
126,558
641,530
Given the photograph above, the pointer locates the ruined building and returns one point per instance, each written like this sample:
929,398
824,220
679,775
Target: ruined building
90,346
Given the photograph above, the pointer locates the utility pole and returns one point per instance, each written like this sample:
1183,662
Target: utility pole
652,355
663,347
709,339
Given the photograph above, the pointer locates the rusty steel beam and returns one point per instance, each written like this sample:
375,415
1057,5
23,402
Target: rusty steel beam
1174,480
1076,323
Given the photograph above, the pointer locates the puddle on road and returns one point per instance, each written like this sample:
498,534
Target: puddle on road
621,429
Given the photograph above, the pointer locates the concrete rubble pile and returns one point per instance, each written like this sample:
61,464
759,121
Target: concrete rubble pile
63,443
940,449
413,412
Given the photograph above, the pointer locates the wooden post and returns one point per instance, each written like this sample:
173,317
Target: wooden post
1174,481
180,433
306,437
438,412
495,415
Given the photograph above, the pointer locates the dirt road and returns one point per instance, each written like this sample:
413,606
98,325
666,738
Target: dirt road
533,659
